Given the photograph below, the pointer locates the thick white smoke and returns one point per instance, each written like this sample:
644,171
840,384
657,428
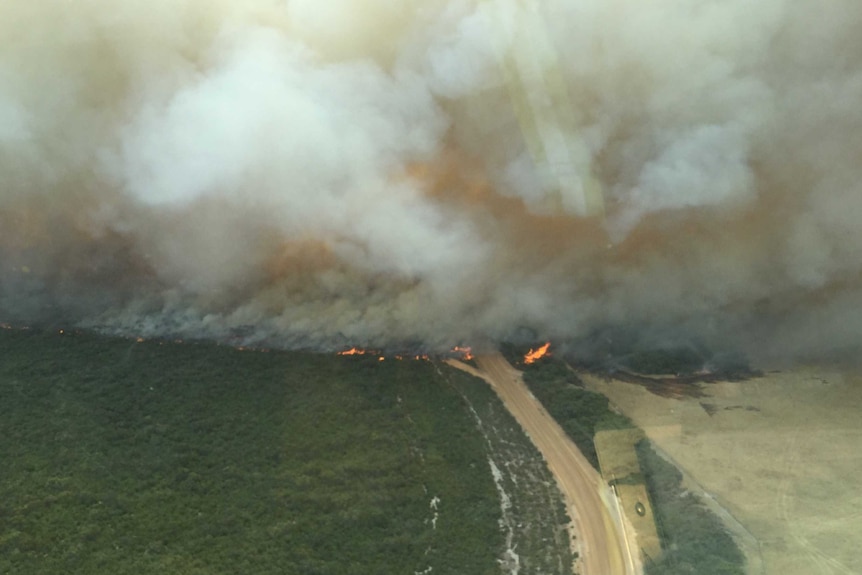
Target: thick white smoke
389,172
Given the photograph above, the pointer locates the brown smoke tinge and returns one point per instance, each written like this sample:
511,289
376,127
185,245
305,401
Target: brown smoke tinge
317,174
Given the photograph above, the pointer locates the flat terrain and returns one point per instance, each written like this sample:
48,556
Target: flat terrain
780,454
617,453
124,457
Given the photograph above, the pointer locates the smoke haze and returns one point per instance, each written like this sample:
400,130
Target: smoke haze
319,173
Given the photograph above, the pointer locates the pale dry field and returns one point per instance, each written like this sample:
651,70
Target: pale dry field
781,454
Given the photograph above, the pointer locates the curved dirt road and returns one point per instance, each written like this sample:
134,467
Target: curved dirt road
600,542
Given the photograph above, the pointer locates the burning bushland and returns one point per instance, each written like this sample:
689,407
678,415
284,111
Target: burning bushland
430,172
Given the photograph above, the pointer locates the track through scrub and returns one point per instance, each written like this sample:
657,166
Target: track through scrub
598,532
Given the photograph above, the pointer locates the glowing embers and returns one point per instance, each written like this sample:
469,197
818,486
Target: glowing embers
460,352
414,357
537,353
360,351
464,352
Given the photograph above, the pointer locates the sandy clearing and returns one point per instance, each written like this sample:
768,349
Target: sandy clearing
597,531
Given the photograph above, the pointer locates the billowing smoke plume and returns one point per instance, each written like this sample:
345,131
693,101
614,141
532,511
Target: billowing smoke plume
432,172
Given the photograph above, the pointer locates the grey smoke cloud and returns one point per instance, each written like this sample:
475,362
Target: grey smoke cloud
367,172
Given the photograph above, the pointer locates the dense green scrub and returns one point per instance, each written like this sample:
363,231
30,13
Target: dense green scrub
580,412
534,515
119,457
694,539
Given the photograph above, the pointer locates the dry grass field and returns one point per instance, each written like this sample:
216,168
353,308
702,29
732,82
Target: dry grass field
619,465
780,453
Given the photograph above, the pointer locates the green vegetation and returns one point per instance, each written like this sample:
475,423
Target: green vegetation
121,457
580,412
694,540
534,519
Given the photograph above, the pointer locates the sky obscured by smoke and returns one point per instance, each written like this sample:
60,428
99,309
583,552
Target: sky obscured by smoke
321,173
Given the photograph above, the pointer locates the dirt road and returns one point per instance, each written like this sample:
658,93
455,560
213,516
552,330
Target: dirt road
600,542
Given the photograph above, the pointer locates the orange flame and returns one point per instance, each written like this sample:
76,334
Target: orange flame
537,353
353,351
465,352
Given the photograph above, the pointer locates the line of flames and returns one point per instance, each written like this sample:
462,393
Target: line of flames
354,351
463,352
